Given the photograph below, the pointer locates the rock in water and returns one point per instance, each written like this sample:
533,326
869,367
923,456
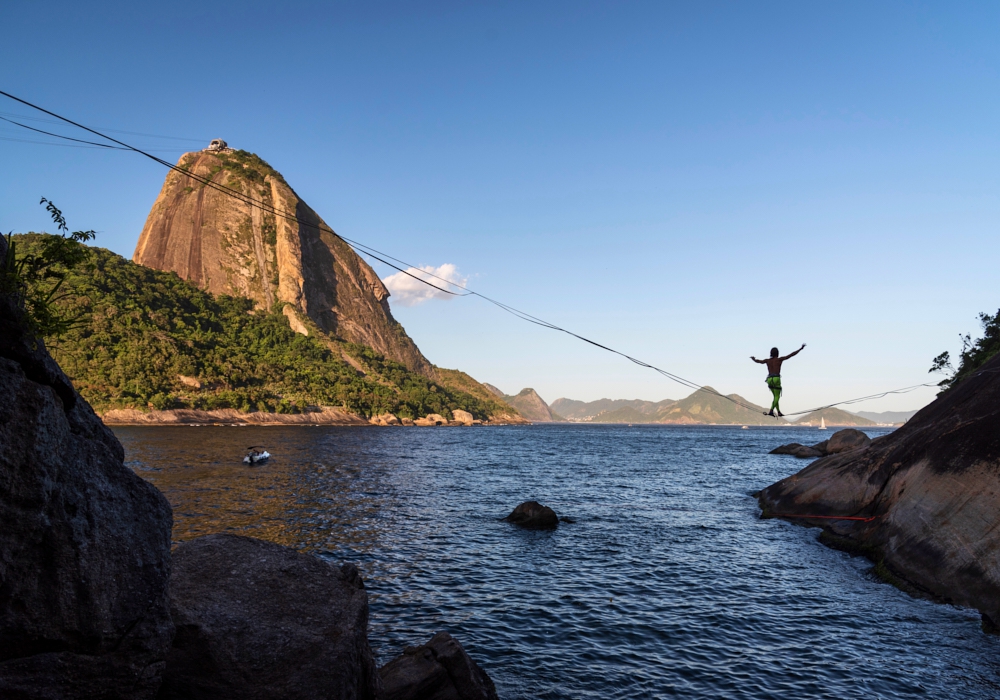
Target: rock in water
840,441
532,514
84,542
229,246
438,670
796,450
933,488
844,440
258,621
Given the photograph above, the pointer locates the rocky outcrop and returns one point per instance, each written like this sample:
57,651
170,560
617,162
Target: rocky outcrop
384,419
228,416
438,670
431,419
84,542
258,621
928,493
463,417
840,441
534,516
279,251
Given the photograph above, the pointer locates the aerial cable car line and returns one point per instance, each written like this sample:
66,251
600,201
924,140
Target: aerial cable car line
61,136
381,257
113,131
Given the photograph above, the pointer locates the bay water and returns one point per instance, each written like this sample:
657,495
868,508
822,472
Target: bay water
665,584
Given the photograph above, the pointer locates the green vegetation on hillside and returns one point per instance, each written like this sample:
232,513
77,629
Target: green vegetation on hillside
975,353
144,329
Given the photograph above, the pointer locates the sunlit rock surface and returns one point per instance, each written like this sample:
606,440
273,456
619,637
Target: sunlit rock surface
932,489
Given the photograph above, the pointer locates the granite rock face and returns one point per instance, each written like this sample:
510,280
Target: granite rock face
438,670
84,542
533,515
932,489
230,246
258,621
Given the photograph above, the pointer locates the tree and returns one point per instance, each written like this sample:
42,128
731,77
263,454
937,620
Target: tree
35,280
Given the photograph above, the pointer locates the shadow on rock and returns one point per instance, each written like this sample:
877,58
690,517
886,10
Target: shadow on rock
258,621
84,542
438,670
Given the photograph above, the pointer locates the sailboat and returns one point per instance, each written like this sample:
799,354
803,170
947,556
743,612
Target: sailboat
822,423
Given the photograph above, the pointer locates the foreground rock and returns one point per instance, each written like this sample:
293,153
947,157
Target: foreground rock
84,542
257,621
840,441
438,670
932,488
533,515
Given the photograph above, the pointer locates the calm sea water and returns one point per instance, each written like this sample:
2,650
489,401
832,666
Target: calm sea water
666,585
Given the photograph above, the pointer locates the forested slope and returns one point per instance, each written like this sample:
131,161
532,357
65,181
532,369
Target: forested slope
148,339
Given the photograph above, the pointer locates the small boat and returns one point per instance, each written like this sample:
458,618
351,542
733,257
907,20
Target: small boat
256,455
822,423
745,427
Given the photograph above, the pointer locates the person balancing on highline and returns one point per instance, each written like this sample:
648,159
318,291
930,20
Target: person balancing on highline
774,376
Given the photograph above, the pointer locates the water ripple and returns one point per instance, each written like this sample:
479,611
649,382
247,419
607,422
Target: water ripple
667,584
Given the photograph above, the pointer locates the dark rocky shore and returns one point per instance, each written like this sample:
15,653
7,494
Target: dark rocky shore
94,605
929,494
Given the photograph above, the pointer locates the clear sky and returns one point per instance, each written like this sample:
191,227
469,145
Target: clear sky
691,183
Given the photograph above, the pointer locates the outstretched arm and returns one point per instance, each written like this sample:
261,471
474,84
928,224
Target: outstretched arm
759,362
793,354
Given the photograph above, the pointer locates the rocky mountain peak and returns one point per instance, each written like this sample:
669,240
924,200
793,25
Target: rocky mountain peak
226,245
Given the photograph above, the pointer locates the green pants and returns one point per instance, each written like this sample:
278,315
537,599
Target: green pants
774,384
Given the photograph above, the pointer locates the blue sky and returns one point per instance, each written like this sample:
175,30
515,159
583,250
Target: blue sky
691,183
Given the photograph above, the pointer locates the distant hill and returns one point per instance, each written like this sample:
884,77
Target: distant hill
886,416
833,416
585,410
704,406
628,414
531,406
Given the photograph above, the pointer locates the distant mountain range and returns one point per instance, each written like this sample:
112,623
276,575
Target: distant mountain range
702,407
705,407
887,416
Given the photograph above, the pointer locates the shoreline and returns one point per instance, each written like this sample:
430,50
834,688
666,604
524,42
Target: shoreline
233,418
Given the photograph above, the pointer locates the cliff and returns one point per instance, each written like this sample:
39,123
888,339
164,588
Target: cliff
931,490
227,246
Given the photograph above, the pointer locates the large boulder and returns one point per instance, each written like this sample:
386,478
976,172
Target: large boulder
845,440
84,542
840,441
438,670
928,495
463,417
533,515
258,621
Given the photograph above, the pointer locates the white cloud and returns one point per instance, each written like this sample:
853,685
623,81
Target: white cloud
409,292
